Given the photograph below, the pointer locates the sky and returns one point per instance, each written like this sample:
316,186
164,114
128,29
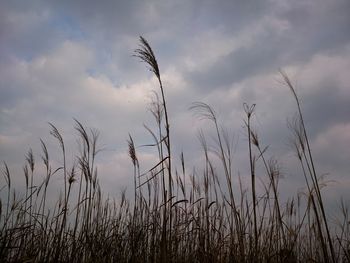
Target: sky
61,60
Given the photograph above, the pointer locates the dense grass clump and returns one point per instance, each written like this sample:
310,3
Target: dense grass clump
176,216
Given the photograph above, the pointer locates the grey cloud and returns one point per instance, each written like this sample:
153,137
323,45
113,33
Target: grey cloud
326,107
290,34
310,29
230,13
26,30
316,26
238,66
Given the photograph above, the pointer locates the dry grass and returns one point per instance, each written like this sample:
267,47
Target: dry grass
176,216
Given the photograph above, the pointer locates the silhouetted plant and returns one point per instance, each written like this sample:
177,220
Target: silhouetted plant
175,215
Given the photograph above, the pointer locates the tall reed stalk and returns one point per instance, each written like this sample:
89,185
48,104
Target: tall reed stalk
146,54
307,157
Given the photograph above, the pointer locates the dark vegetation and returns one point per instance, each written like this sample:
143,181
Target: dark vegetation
176,216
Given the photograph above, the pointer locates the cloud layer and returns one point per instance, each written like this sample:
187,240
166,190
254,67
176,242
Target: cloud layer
61,60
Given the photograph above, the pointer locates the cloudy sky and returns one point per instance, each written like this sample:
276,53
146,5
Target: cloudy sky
61,60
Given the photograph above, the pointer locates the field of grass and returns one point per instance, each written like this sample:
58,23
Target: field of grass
175,215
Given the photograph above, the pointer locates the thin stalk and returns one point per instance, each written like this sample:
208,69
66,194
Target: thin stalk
249,110
313,173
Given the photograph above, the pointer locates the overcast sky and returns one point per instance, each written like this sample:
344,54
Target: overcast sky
61,60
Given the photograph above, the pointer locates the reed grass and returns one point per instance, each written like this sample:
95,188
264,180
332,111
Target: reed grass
175,215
